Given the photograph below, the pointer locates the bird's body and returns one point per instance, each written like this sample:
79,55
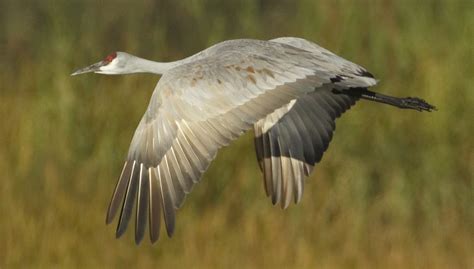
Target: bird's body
289,90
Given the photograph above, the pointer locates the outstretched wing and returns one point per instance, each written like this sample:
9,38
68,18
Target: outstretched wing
197,108
291,140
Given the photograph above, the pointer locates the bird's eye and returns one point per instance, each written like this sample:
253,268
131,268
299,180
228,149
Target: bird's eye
110,57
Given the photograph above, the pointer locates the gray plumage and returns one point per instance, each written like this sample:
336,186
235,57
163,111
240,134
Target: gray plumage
289,90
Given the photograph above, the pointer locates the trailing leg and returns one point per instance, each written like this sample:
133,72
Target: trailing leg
405,103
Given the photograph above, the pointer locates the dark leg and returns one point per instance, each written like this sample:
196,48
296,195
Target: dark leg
406,103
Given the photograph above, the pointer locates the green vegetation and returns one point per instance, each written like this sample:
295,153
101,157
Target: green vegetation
394,190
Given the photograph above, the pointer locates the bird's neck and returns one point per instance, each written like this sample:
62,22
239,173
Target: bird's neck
146,66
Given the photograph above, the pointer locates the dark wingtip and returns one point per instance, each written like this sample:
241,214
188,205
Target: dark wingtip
139,234
119,193
366,73
138,240
120,231
108,218
154,239
274,199
170,230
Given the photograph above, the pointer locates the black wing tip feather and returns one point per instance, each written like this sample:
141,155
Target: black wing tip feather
143,189
120,230
128,200
170,222
170,231
109,218
167,203
274,199
142,205
366,73
118,194
155,207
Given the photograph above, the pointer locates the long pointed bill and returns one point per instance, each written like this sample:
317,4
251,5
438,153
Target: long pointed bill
91,68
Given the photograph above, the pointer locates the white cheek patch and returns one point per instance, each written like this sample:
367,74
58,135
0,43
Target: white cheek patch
111,68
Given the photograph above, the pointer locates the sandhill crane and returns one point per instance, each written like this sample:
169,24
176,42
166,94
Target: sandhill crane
289,90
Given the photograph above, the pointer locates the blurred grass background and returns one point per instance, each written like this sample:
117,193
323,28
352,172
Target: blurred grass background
394,190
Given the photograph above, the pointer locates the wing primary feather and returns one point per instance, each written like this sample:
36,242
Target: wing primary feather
267,167
287,182
298,176
305,133
324,105
286,168
189,168
142,204
167,203
206,138
128,202
294,137
183,179
318,137
155,205
191,154
324,128
175,188
119,192
258,141
276,168
197,144
335,103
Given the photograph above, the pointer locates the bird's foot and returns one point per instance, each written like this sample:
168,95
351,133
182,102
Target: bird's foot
417,104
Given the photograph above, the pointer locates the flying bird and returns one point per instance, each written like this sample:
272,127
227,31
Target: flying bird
289,90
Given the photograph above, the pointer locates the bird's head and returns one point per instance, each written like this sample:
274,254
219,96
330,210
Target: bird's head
112,64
